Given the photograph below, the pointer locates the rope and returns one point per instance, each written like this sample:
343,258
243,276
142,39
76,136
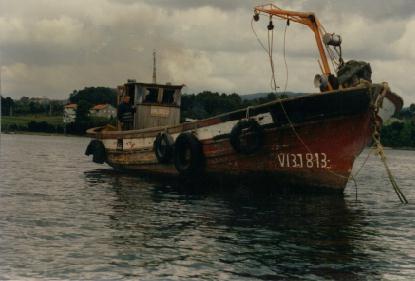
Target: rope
247,112
379,147
256,36
364,162
271,58
380,151
269,52
285,61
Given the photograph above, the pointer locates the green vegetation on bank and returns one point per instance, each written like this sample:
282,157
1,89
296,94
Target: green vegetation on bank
399,134
32,123
23,120
31,106
194,106
49,124
207,104
28,115
94,95
45,115
400,131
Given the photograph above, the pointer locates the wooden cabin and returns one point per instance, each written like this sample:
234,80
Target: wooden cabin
156,104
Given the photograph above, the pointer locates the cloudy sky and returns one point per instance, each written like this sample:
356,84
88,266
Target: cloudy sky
51,47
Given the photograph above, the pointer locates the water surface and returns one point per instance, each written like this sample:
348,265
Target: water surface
64,217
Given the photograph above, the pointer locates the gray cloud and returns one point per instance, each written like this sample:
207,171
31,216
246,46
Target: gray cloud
191,4
53,47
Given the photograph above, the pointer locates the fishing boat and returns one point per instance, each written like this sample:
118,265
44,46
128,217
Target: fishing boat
307,142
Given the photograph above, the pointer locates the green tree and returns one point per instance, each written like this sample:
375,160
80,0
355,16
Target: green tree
207,104
7,106
94,95
56,107
405,136
36,108
82,111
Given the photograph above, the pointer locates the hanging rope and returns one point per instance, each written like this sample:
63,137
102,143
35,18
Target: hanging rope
271,58
269,51
378,145
247,112
364,162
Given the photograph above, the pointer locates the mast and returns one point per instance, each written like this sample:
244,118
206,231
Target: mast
154,67
0,97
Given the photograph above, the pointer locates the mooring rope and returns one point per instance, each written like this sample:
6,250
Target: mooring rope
380,151
377,145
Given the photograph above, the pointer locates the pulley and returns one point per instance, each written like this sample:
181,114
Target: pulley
270,26
332,39
321,81
256,16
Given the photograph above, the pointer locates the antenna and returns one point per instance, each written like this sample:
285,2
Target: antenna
0,97
0,82
154,67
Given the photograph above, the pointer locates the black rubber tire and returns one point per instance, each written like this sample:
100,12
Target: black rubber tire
247,136
188,155
97,149
163,148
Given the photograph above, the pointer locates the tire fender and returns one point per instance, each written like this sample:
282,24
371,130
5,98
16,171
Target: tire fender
188,155
97,149
247,136
163,147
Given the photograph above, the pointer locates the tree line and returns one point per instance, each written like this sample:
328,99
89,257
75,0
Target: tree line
400,132
27,106
207,104
85,98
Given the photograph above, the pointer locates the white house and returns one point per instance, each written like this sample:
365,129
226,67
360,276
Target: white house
103,110
69,113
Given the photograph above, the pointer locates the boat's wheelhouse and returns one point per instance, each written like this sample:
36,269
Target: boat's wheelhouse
156,104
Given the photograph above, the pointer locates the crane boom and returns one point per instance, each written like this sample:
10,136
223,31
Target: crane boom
306,18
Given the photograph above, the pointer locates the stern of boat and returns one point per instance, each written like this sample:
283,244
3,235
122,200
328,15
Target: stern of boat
96,147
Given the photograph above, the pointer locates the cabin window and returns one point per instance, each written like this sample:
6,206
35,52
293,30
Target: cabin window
130,92
151,95
168,96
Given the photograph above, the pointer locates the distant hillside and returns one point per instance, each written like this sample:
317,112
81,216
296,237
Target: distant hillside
264,95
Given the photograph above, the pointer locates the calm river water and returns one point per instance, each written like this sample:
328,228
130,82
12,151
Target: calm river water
64,217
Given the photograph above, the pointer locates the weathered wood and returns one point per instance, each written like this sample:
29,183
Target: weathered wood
155,115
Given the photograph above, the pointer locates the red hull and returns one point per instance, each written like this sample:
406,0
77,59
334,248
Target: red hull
326,159
314,148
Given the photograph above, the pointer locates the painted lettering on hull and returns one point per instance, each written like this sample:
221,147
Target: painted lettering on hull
302,160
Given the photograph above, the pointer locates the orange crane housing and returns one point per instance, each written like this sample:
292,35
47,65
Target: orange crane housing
307,18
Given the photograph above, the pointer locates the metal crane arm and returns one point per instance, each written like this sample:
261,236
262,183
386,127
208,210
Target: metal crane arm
306,18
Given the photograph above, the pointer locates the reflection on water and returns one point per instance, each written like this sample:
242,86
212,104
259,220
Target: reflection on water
65,217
